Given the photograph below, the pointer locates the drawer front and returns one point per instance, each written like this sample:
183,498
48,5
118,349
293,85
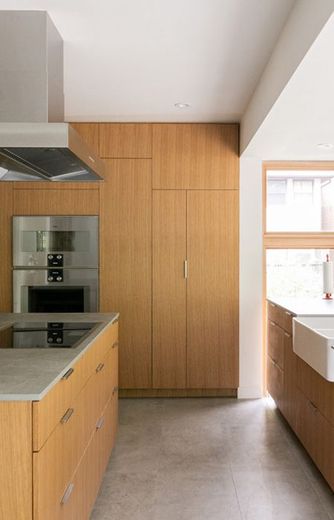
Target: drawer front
316,389
82,488
280,316
289,404
275,381
57,460
48,412
276,339
317,435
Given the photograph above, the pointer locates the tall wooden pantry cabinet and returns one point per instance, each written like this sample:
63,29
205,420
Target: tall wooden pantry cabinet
169,209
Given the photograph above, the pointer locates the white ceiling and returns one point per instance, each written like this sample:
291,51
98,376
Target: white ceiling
303,115
131,60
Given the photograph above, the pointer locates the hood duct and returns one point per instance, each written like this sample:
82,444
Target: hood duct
35,143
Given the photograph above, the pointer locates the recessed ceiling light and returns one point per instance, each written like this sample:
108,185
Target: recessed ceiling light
182,105
325,146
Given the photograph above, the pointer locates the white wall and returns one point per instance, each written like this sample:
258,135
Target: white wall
304,24
250,278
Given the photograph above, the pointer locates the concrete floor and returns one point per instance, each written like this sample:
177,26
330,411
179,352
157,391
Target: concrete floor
209,459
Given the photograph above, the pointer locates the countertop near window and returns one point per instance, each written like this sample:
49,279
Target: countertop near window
28,374
305,306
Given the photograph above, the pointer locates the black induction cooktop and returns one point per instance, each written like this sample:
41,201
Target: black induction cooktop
44,334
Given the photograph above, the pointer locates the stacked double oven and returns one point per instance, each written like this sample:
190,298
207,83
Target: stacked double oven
55,264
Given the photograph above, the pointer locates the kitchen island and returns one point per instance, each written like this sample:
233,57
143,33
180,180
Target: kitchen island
58,413
303,396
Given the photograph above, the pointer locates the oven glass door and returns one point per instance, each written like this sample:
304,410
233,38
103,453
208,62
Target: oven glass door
77,292
36,240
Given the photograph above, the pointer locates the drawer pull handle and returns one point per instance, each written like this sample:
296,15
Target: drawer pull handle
99,367
100,423
273,324
287,334
67,415
68,373
67,493
288,313
115,390
313,406
272,305
115,344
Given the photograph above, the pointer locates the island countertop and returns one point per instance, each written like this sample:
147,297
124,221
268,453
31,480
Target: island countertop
305,306
28,374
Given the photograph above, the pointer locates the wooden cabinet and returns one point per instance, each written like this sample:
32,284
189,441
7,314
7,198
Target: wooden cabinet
304,397
42,200
126,140
317,435
169,289
212,289
90,134
281,361
195,156
60,478
126,263
195,319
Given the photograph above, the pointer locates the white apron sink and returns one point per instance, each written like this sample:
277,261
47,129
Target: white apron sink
313,341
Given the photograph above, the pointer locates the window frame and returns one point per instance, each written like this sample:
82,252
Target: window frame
293,239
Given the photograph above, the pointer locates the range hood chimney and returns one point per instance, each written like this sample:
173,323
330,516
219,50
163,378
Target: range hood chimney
35,143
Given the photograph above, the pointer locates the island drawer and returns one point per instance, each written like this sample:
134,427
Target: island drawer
276,341
280,316
316,389
275,381
48,412
60,455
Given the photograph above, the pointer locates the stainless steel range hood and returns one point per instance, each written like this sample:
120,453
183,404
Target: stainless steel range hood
34,142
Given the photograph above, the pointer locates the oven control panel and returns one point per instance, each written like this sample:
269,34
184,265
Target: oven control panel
55,275
55,336
55,260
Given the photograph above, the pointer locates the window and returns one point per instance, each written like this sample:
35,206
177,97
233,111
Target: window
298,227
295,272
300,200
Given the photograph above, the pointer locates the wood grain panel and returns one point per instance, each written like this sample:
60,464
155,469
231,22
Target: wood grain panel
48,411
289,404
316,389
56,202
275,381
169,289
126,257
212,289
281,316
177,392
317,435
6,205
16,461
195,156
126,140
89,133
276,343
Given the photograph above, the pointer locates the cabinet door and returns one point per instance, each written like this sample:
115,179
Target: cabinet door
169,289
126,260
212,289
126,140
195,156
289,405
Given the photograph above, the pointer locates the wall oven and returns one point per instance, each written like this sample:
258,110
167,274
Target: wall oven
55,241
55,264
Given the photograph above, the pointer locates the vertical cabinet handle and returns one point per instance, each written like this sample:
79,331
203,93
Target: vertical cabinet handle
67,493
186,269
115,344
99,367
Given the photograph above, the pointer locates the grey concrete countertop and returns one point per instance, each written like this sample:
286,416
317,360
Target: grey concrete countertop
28,374
306,306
